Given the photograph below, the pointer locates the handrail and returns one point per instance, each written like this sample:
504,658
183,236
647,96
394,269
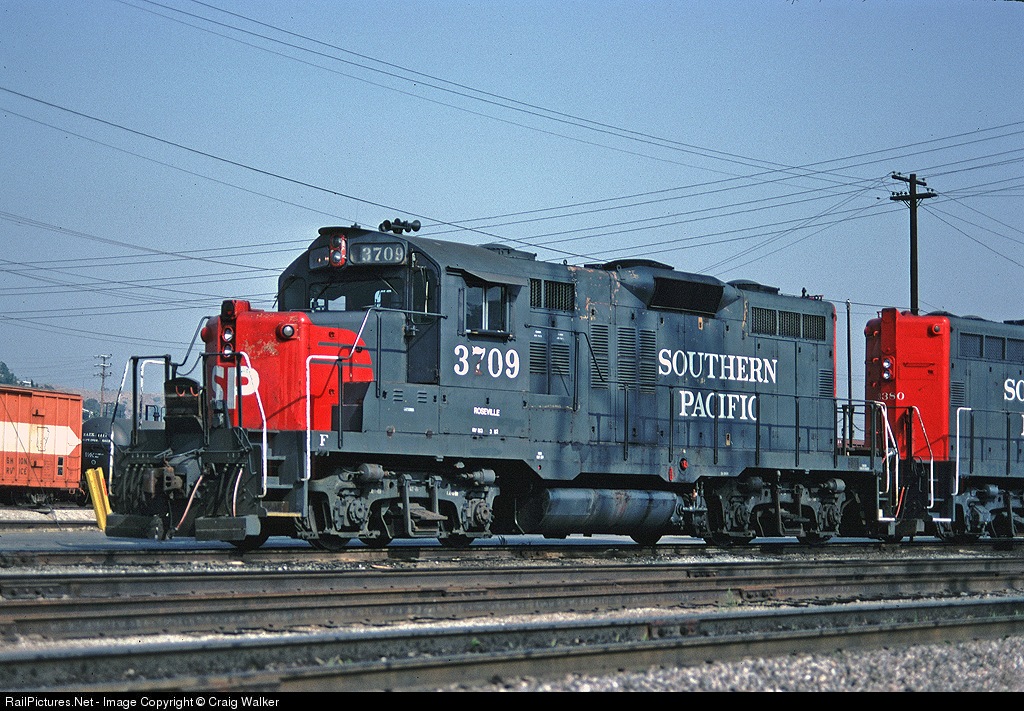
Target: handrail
931,465
143,361
890,440
956,468
359,334
308,465
307,471
263,416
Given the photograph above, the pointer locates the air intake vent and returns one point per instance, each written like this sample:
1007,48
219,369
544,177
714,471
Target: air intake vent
957,394
648,361
599,375
559,359
826,383
538,359
625,359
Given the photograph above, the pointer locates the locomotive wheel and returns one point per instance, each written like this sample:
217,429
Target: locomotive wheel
455,540
955,537
328,542
380,541
377,525
814,538
251,543
964,539
646,540
724,540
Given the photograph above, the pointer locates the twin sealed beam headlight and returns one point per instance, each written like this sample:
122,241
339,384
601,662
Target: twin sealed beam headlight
887,369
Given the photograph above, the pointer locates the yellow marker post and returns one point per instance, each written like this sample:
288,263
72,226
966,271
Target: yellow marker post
98,494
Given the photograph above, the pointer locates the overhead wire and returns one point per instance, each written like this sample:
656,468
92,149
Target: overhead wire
531,241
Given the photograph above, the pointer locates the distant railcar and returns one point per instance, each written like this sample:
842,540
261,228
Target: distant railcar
97,448
41,445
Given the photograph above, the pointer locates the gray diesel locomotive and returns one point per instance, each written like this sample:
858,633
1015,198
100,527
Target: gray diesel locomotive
415,388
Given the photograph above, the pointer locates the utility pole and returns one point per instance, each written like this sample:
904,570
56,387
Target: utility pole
912,197
104,368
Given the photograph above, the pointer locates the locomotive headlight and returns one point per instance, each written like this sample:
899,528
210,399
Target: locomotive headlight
228,335
887,363
338,251
227,352
886,375
286,331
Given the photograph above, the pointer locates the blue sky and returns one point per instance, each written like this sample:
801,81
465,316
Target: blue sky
159,157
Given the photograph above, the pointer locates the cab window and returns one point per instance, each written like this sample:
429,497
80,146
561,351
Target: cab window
486,308
383,291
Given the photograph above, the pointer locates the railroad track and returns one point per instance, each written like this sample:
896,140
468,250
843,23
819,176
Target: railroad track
354,616
430,657
22,519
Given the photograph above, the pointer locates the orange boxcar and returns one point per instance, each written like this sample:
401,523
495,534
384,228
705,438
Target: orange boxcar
40,445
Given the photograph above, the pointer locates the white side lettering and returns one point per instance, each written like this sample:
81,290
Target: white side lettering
727,406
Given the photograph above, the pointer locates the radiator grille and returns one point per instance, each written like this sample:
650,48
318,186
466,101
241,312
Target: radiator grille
789,324
814,327
556,295
763,321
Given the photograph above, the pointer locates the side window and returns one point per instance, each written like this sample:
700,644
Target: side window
486,308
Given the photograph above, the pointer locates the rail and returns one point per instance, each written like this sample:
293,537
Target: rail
931,464
137,365
263,442
956,463
991,438
892,472
352,348
813,425
308,465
